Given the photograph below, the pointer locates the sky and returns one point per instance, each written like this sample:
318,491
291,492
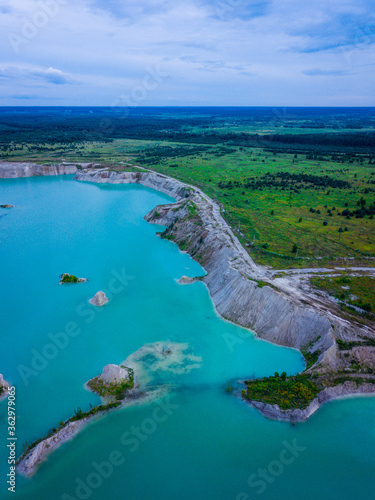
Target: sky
187,53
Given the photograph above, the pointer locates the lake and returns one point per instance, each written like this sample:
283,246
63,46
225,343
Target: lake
198,441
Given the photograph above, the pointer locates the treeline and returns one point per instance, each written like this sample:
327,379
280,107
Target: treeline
286,181
104,125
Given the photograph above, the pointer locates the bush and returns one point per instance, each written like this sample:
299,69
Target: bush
112,389
68,278
287,392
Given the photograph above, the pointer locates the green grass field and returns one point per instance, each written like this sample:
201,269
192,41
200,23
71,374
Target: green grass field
358,291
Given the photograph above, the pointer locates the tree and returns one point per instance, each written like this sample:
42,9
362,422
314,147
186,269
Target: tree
295,248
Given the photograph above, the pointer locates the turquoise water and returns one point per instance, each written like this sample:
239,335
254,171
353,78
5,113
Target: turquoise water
199,442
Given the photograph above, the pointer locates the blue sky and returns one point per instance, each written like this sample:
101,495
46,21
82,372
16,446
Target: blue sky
191,52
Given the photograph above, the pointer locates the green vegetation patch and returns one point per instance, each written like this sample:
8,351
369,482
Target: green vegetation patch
356,380
347,346
310,357
357,291
118,389
286,392
192,209
68,278
262,284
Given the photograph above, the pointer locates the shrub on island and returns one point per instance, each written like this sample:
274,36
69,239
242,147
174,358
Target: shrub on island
70,278
286,392
113,385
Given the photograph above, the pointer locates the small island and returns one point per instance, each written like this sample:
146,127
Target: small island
4,386
70,278
99,299
113,383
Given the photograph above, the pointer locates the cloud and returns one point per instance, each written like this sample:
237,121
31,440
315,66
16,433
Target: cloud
49,75
324,72
53,75
234,52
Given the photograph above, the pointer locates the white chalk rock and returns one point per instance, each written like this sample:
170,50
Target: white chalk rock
114,373
4,386
99,299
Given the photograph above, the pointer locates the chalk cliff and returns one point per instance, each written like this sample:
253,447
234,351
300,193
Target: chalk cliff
10,170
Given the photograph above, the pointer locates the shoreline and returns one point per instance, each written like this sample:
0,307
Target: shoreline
243,292
347,390
29,462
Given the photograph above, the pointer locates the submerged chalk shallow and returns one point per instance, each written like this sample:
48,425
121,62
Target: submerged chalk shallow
201,435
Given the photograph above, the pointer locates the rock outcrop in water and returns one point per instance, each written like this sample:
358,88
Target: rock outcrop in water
99,299
114,374
4,385
113,383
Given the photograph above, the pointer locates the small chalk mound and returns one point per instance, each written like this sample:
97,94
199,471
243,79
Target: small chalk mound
114,382
99,299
